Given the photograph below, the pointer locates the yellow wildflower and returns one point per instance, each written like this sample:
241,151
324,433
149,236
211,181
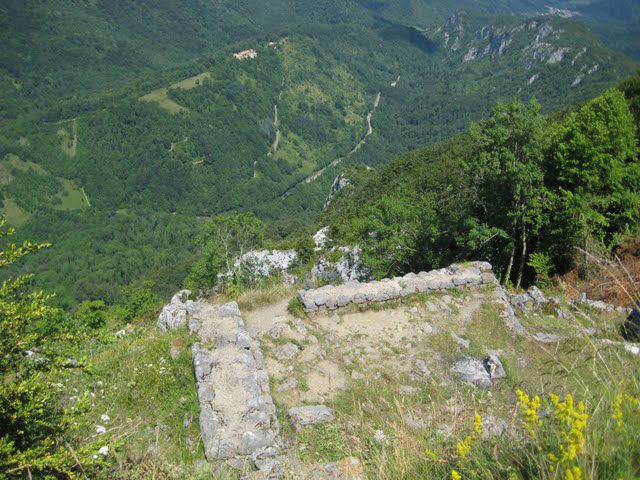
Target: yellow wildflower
529,411
573,474
464,447
455,475
477,424
617,412
430,454
574,419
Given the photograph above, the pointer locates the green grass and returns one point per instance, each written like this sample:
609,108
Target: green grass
160,97
15,215
147,396
295,308
72,197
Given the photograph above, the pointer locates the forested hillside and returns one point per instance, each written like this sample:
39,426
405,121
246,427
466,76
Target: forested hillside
535,196
122,153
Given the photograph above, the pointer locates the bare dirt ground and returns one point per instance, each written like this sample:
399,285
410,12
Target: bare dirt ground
314,359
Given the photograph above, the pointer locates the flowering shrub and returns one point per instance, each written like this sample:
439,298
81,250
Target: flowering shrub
560,441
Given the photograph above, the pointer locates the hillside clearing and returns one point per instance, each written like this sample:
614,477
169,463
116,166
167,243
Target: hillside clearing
160,97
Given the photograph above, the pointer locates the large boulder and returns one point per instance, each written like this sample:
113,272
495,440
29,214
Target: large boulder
174,315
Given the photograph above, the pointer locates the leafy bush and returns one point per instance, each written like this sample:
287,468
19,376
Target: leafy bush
34,428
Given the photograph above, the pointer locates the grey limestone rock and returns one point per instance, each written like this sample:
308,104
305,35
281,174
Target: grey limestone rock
174,314
420,372
493,427
479,373
462,342
279,330
346,469
379,437
472,371
493,365
285,352
306,416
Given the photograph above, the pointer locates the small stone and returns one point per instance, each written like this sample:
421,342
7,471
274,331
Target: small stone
174,352
186,422
279,330
493,427
547,338
306,416
411,421
537,296
356,375
379,437
633,349
494,367
420,372
285,352
463,343
289,384
408,390
521,300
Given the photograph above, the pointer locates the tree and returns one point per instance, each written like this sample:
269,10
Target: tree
509,170
593,167
91,314
393,233
224,243
34,427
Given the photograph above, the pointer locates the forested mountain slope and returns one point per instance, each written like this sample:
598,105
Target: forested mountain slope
119,156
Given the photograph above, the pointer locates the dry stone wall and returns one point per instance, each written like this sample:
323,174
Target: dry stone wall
238,420
333,297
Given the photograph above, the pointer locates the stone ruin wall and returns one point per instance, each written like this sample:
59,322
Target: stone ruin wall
332,297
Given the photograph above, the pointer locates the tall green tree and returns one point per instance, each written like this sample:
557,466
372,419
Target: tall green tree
594,170
510,175
224,243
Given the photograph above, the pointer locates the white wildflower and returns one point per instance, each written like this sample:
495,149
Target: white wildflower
104,417
104,451
100,430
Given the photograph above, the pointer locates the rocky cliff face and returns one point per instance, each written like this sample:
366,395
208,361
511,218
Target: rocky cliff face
532,45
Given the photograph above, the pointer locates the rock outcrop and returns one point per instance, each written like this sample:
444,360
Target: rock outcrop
237,415
262,263
174,314
346,269
333,297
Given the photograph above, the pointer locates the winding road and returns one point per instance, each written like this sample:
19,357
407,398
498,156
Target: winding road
362,142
